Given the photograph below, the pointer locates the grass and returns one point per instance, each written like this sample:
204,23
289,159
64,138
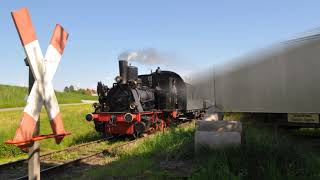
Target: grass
264,153
142,160
309,132
15,96
74,122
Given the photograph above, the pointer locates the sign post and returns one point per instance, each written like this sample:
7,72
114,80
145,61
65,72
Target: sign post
34,150
34,158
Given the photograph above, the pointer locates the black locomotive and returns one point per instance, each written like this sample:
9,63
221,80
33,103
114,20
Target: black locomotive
138,103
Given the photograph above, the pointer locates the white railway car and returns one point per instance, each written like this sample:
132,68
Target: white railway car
282,79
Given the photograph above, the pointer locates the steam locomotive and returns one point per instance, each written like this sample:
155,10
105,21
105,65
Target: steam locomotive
138,104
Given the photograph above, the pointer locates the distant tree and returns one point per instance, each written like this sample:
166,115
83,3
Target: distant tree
71,88
81,91
66,89
88,92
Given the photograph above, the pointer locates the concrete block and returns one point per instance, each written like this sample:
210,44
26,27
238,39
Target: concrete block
219,126
216,140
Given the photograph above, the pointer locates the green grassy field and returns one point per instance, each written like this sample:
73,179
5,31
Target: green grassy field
264,154
74,121
145,158
14,96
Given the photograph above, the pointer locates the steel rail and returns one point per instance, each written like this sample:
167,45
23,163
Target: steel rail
61,167
20,161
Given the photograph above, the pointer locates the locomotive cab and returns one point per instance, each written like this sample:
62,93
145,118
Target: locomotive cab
169,87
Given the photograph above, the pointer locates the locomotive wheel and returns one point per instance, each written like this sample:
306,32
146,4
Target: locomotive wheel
139,128
162,125
107,135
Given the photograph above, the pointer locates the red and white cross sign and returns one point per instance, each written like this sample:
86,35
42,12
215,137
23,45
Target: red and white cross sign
43,69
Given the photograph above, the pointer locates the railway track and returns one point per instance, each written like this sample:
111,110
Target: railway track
60,168
13,163
12,170
51,165
47,173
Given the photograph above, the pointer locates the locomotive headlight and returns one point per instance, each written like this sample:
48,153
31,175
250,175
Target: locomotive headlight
132,105
128,117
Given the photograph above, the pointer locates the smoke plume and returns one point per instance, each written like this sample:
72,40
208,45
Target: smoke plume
144,56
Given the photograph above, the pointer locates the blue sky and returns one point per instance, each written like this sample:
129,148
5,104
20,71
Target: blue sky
195,34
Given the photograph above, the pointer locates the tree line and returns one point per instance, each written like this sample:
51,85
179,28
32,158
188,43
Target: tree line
86,91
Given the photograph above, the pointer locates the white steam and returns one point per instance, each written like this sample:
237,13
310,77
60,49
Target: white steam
144,56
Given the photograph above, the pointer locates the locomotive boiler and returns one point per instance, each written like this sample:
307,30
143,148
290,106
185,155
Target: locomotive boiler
137,104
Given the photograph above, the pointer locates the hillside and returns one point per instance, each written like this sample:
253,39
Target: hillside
14,96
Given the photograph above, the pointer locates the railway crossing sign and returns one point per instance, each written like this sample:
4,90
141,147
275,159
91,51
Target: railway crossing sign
42,93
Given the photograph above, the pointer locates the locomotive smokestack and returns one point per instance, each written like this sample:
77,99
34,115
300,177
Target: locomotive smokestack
123,70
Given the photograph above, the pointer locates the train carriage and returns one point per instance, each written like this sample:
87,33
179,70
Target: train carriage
282,81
